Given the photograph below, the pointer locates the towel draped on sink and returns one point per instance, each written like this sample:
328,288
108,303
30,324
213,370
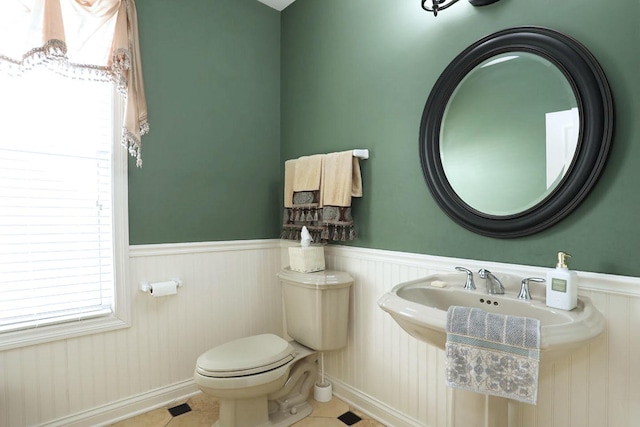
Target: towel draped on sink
492,353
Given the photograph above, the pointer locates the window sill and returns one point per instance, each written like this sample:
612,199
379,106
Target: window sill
24,338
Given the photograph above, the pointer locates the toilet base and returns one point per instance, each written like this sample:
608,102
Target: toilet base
295,414
275,419
285,406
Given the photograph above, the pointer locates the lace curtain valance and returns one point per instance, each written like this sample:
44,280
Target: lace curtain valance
86,39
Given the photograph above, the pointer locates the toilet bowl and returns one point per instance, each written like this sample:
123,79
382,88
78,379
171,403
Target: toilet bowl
261,380
264,380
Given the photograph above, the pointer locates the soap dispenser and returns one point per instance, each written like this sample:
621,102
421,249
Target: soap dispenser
562,285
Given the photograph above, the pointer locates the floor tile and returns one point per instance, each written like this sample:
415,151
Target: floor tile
312,421
194,419
367,422
333,409
205,411
204,402
183,408
349,418
362,415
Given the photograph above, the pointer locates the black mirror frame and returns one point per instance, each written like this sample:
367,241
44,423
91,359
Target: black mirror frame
595,107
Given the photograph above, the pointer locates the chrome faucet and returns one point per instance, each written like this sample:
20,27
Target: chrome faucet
469,285
524,287
493,284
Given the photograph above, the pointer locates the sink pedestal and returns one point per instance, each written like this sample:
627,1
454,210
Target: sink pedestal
470,409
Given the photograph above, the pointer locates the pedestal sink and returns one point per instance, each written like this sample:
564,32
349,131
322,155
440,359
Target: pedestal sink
420,308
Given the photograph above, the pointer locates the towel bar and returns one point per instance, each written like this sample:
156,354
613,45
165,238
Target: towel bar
361,153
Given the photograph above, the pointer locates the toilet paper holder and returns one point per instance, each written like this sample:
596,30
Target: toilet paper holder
147,287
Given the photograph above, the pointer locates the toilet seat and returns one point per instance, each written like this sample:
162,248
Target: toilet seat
245,356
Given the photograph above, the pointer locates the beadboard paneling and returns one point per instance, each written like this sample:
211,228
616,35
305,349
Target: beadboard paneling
230,290
598,385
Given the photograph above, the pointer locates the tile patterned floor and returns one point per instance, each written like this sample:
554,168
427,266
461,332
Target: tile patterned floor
204,412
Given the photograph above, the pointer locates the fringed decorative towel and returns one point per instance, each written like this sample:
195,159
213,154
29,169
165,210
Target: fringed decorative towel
492,353
302,201
341,180
317,194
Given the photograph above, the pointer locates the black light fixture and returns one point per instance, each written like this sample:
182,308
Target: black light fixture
438,5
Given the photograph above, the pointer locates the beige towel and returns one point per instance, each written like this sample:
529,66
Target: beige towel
289,178
341,179
308,173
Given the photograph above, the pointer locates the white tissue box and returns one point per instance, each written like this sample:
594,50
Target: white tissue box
306,260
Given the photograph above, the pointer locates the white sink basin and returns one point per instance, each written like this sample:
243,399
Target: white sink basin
421,309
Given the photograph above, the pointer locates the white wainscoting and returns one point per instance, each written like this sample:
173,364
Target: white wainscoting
400,380
231,290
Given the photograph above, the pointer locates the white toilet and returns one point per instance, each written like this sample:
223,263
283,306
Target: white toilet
263,380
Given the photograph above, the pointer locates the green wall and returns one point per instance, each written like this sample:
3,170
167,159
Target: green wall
357,74
235,88
211,159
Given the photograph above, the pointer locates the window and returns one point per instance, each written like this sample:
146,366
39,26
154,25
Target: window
63,233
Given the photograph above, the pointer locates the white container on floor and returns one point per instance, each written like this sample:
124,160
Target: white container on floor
323,392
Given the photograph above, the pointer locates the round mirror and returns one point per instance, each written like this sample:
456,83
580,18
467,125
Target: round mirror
516,131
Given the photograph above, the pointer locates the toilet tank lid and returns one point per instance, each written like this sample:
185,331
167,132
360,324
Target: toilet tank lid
249,355
319,279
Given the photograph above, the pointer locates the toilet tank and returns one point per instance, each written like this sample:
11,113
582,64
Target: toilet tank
317,307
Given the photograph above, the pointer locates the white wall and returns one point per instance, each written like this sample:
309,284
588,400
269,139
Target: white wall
95,379
230,290
392,375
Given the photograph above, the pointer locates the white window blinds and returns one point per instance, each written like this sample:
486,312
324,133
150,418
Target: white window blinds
56,226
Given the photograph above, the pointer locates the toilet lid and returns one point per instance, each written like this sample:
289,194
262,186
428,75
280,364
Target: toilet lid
245,356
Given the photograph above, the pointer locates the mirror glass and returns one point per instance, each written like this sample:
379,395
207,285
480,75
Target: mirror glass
509,133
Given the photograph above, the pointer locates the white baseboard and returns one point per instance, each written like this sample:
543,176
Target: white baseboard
377,410
179,392
130,407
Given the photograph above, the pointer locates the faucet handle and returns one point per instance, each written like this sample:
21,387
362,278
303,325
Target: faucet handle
524,289
468,285
483,273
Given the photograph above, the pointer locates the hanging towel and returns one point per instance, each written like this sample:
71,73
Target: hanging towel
302,182
341,179
493,353
308,173
306,181
289,176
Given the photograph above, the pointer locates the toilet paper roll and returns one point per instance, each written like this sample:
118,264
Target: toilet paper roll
162,289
